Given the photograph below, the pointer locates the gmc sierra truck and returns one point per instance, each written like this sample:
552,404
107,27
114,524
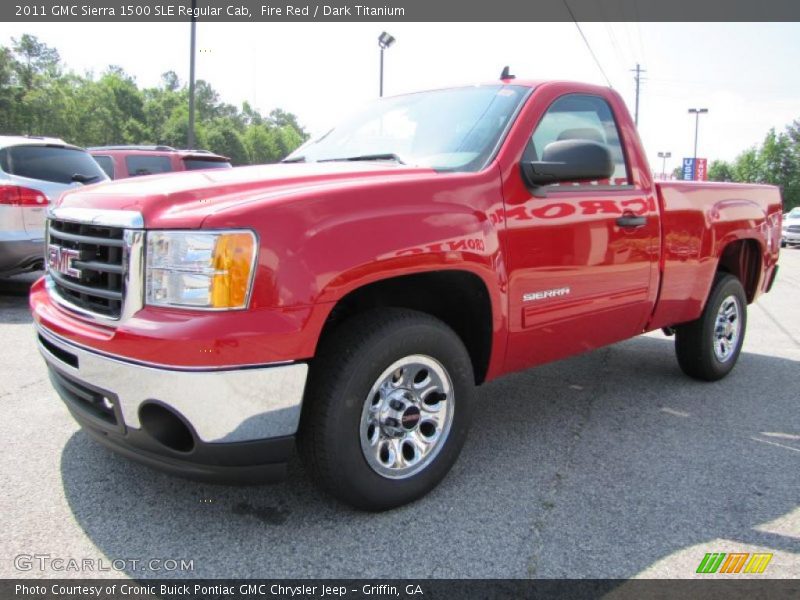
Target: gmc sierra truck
353,297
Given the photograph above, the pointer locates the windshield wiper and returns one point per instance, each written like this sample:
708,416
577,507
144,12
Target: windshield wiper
80,178
297,159
385,156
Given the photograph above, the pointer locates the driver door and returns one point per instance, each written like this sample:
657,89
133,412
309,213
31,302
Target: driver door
580,274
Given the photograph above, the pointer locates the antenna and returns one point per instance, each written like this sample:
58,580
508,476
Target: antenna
506,74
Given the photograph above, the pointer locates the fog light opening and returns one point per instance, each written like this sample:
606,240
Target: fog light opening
166,427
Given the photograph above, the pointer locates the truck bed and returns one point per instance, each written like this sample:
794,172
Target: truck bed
701,219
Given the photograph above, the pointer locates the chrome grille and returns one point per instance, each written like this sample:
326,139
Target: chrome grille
86,263
793,228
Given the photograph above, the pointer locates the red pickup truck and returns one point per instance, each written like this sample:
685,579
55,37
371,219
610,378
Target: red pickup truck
352,298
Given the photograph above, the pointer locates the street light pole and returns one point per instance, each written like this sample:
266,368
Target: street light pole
697,112
190,136
381,90
664,156
384,41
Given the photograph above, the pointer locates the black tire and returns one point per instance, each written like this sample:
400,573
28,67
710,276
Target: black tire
695,342
349,362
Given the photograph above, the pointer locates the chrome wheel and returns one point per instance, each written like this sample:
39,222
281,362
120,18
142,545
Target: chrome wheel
406,417
727,329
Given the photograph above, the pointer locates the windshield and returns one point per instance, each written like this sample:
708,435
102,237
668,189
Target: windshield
453,129
794,213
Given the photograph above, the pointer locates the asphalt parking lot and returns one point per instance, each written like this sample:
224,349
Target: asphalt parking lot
611,464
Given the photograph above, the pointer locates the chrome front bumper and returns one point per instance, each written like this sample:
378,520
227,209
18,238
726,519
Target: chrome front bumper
220,406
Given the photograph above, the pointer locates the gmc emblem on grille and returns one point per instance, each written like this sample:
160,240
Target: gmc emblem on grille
60,260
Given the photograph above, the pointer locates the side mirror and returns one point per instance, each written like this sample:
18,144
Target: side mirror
569,160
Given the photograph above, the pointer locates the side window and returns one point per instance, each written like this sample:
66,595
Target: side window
106,163
581,117
147,165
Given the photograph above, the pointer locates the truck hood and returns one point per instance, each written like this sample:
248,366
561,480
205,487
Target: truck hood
184,200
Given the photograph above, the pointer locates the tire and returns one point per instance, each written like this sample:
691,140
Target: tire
387,408
704,351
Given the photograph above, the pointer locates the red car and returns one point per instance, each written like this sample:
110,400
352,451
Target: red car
120,162
352,298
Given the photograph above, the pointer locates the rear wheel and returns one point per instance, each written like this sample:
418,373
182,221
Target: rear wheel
387,409
709,347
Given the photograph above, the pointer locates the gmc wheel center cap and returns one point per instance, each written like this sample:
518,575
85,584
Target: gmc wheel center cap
400,414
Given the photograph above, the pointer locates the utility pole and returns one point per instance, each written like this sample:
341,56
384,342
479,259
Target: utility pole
638,70
190,137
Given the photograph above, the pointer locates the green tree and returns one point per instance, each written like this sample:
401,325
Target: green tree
719,170
747,167
779,162
261,145
10,91
250,115
34,58
35,66
287,138
225,138
281,118
39,96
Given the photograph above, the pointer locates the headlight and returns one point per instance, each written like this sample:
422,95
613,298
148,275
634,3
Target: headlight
199,269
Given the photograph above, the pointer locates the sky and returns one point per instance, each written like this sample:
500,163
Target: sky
746,74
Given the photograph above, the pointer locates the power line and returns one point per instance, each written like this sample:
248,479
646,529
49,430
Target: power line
588,45
639,30
614,44
641,42
631,48
606,22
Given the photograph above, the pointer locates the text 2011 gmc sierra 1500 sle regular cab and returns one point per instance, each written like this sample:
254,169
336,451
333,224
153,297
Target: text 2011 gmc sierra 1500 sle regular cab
353,297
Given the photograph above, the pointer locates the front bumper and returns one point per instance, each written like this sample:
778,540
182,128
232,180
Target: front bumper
222,425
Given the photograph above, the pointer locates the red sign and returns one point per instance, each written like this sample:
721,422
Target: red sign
701,170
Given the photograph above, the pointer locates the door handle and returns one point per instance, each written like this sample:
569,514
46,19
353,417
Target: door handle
631,221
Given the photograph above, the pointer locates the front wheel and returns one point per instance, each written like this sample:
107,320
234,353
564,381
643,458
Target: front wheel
709,347
387,409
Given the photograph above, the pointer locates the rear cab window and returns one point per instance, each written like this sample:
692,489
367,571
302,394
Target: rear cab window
147,165
581,117
56,164
193,163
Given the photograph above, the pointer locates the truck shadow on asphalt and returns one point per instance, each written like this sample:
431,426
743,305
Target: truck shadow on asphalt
598,466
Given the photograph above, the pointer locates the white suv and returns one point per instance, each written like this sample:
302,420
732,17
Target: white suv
33,173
